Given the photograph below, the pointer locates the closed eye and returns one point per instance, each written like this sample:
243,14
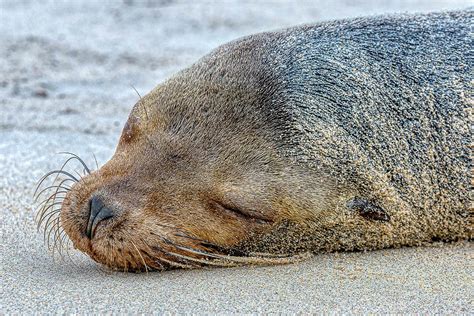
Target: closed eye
244,214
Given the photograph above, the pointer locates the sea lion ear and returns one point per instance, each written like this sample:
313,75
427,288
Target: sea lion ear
367,209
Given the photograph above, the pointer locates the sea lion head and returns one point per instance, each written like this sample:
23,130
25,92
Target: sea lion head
192,177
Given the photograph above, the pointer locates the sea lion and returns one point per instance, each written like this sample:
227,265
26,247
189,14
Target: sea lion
344,135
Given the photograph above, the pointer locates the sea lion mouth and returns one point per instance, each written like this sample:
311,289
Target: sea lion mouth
167,247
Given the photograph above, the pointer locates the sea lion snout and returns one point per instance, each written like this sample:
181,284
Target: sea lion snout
98,212
137,219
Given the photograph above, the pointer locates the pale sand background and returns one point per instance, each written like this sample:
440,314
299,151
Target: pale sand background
65,76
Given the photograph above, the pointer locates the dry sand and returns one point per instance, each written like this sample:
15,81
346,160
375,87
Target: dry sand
65,85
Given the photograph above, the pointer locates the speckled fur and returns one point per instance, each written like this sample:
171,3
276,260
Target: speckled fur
288,126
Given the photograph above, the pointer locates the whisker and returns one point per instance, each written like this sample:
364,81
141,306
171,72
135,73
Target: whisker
43,178
78,159
56,194
47,211
203,261
58,186
42,210
175,264
57,233
60,240
143,260
51,198
80,176
68,247
58,172
136,91
225,256
96,164
43,216
64,173
47,237
47,217
186,258
239,253
51,214
199,252
48,202
144,107
63,166
160,268
50,187
248,259
178,265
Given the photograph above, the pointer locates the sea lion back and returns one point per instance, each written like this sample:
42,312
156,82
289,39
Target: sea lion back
382,107
385,105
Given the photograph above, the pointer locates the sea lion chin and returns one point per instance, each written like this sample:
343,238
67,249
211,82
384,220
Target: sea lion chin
327,137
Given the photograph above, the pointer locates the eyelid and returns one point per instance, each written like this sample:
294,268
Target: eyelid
246,214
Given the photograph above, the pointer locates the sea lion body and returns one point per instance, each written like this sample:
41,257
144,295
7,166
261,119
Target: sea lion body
345,135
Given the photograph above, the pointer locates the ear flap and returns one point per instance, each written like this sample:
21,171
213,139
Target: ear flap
367,209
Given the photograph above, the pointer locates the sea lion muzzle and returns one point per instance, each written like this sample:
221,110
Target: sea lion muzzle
98,213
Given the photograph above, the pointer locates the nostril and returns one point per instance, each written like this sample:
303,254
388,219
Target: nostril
98,213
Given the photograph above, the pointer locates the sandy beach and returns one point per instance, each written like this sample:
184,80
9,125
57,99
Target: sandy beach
67,71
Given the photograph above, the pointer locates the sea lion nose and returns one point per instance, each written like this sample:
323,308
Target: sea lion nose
98,213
